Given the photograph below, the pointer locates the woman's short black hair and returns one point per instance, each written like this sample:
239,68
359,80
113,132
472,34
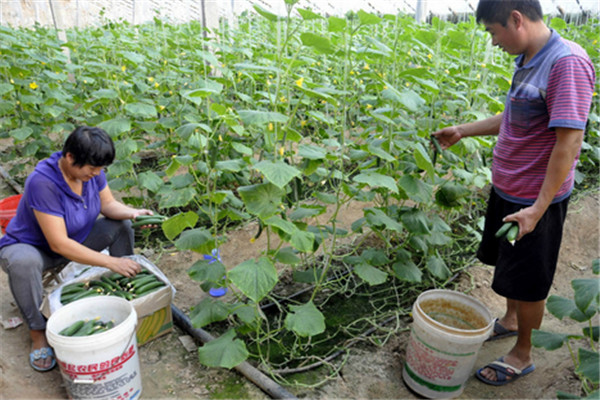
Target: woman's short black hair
498,11
90,146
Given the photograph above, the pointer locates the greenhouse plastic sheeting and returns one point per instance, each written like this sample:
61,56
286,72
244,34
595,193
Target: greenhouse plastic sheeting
64,15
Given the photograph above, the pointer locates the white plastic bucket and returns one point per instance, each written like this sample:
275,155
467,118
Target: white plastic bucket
448,330
101,366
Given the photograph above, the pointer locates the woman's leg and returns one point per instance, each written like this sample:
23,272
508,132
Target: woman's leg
24,265
116,235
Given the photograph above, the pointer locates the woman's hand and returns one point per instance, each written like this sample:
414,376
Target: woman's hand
124,266
142,211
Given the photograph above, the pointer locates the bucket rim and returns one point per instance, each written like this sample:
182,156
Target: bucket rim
464,332
122,327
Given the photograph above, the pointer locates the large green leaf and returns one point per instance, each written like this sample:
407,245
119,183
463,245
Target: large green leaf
319,43
254,278
278,173
589,364
105,94
149,180
302,240
178,198
558,24
115,127
288,256
307,14
405,269
281,224
423,160
267,14
438,267
199,240
196,96
312,152
450,194
141,110
336,24
208,311
373,276
374,180
211,271
366,18
5,88
225,351
560,307
408,99
305,320
548,340
178,223
254,117
415,221
262,200
586,292
381,153
319,94
21,134
415,188
307,211
379,219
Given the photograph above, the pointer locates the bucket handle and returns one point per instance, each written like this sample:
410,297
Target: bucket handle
92,381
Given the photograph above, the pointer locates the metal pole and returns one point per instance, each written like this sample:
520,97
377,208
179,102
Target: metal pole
421,12
53,17
204,34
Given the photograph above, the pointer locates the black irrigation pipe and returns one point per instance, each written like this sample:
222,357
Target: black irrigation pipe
255,376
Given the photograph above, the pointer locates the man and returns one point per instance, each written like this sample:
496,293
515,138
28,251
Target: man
539,138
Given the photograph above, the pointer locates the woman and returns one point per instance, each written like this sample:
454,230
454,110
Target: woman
57,221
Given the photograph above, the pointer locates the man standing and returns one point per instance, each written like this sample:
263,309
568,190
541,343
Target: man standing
539,138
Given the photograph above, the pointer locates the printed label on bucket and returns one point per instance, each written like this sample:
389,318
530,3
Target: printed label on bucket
426,362
103,380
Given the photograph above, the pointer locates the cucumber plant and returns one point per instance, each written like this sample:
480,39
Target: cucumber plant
584,307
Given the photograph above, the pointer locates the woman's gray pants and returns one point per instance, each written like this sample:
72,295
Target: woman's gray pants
25,265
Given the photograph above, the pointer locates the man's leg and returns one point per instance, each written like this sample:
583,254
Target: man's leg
510,319
529,317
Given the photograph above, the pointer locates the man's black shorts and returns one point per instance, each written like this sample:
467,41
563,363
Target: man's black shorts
524,271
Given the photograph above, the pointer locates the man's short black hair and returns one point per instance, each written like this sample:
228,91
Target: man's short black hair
90,146
498,11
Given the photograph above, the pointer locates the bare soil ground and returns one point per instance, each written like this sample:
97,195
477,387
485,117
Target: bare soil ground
169,371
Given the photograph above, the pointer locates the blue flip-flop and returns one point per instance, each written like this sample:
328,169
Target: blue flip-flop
41,354
500,332
505,373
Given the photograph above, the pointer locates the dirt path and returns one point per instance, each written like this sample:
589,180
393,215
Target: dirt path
169,371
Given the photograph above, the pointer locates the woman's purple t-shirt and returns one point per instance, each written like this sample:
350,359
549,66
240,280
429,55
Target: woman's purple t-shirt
47,191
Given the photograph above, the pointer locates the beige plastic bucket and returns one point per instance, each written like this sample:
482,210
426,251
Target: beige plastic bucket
101,366
448,330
